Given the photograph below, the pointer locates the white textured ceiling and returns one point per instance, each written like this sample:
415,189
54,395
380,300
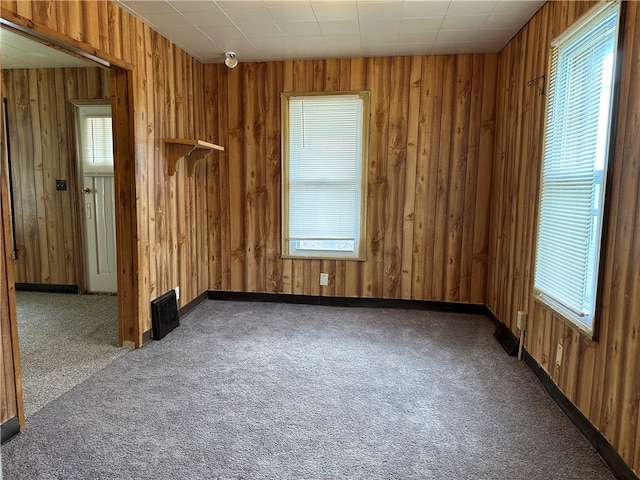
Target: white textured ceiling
20,52
297,29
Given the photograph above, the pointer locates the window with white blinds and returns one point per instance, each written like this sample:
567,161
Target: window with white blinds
575,157
96,139
324,177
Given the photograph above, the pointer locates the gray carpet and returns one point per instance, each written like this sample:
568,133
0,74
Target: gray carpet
270,391
64,339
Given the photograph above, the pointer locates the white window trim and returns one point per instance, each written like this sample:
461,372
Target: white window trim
360,252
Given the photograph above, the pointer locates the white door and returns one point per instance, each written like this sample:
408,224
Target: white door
95,153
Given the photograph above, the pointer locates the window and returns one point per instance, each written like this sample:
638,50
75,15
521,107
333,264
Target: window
574,165
96,140
325,145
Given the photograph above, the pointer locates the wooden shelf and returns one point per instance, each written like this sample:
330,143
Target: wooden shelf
192,150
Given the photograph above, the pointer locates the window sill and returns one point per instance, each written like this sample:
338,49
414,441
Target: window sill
322,257
560,314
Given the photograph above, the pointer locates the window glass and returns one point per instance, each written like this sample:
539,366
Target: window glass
324,174
575,154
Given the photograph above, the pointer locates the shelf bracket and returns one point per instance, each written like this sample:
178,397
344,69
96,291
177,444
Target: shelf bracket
191,150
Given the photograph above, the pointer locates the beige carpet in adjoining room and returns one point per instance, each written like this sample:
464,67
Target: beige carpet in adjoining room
64,339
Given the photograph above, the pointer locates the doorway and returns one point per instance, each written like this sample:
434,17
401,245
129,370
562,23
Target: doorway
94,146
118,81
120,84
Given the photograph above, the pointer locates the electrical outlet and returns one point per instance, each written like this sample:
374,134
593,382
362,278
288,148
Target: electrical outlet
177,290
559,355
324,279
522,321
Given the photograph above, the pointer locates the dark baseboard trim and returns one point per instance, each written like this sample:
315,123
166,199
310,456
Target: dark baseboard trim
600,444
10,429
46,287
492,317
471,308
189,307
146,337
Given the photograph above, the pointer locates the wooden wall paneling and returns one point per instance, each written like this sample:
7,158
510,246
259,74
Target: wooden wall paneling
66,206
201,217
470,172
253,127
571,358
429,137
587,365
224,182
212,199
90,24
441,229
170,96
43,11
113,34
150,221
50,163
409,203
38,182
103,26
629,424
619,353
10,378
484,174
457,181
12,115
11,403
29,203
517,192
379,82
236,177
395,175
126,225
272,231
612,270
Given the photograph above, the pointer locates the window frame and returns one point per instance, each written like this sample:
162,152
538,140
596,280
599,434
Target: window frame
559,310
360,251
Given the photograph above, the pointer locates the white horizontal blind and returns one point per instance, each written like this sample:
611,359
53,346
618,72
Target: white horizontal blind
575,154
325,151
96,140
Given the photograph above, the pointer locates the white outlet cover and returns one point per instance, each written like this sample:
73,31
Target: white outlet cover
559,355
324,279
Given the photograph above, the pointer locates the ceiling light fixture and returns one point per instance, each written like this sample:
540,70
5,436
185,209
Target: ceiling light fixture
231,60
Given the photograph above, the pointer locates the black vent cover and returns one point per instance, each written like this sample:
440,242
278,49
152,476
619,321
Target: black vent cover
507,339
164,314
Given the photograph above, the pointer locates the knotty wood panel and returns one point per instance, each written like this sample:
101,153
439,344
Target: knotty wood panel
10,378
42,150
432,128
603,377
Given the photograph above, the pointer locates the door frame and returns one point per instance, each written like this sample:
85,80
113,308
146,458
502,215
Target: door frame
79,234
122,114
